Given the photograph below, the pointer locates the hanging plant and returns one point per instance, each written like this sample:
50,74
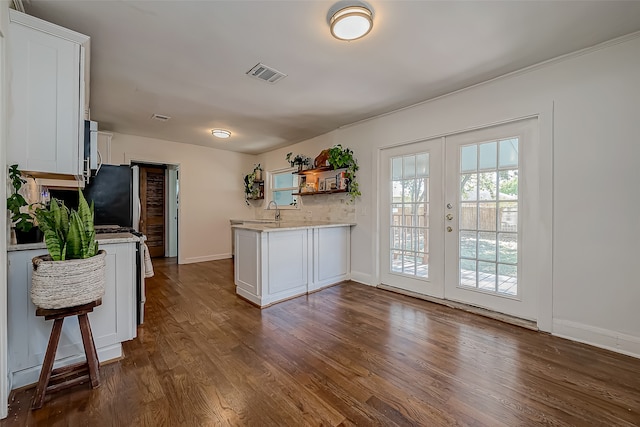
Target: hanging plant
342,158
251,191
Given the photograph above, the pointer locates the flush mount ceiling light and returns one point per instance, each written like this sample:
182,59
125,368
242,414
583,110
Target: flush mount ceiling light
350,20
221,133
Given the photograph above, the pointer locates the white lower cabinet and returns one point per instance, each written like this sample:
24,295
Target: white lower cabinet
271,266
111,323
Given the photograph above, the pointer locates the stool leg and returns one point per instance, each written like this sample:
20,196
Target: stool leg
89,350
47,365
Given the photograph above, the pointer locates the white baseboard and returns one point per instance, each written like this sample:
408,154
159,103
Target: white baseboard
30,375
364,278
598,337
216,257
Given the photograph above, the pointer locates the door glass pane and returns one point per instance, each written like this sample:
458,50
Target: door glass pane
396,191
469,216
395,238
488,217
396,168
409,211
486,276
487,220
508,184
488,155
469,158
422,264
396,261
419,191
469,186
487,246
508,248
507,279
508,216
422,165
409,167
509,153
488,186
468,273
468,244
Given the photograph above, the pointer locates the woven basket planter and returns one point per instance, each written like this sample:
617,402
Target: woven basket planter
62,284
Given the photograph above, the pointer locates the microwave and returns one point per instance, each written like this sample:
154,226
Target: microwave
91,161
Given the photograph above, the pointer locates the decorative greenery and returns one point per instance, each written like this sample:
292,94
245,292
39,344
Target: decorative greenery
250,191
68,234
340,158
15,202
298,160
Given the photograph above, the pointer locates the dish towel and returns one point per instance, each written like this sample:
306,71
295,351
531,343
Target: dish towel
148,266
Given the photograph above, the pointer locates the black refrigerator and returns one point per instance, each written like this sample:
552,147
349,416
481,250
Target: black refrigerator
112,193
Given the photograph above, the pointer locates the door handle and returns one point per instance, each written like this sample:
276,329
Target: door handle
449,229
449,217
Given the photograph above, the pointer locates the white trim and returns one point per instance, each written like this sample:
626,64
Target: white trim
47,27
4,226
206,258
30,375
362,278
598,337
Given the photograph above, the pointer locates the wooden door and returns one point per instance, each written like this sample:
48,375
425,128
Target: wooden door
152,208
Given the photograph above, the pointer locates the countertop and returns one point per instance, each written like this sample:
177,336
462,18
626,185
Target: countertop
103,239
271,226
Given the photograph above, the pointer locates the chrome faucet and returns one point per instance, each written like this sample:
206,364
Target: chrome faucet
277,217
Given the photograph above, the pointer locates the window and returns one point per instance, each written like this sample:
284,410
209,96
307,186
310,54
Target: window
282,184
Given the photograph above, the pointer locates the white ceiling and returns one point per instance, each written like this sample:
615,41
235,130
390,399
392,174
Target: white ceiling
188,59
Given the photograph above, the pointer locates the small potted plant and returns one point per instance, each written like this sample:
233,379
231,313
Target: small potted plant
251,191
73,273
25,229
342,158
299,160
257,171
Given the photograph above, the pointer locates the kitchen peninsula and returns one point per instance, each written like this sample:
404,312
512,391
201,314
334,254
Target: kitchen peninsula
112,322
281,260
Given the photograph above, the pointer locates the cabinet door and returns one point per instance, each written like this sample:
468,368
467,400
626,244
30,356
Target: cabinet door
44,128
332,256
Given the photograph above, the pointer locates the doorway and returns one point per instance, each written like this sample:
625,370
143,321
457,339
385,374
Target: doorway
457,218
152,208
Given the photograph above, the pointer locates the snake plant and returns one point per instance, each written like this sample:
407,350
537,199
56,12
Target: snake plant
68,234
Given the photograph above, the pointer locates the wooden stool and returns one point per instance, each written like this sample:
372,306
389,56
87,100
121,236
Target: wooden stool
55,380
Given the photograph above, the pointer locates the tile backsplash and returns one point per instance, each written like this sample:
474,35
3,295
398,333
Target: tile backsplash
322,207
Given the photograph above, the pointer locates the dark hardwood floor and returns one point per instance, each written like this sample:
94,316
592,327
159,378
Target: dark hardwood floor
350,354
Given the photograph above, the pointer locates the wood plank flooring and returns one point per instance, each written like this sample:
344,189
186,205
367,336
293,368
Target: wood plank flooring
348,355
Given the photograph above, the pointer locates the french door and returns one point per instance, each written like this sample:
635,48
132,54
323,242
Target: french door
467,237
411,232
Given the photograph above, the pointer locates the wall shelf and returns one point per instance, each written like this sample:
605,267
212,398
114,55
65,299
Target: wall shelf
315,193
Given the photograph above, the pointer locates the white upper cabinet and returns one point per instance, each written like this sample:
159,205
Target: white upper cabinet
46,96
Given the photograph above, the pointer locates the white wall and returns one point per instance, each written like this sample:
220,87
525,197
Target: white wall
4,24
589,117
211,191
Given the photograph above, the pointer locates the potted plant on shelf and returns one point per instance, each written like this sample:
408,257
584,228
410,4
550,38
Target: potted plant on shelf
251,191
257,171
73,273
25,229
342,158
299,160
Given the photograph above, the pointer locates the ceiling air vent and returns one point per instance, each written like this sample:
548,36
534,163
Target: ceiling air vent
160,117
266,74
